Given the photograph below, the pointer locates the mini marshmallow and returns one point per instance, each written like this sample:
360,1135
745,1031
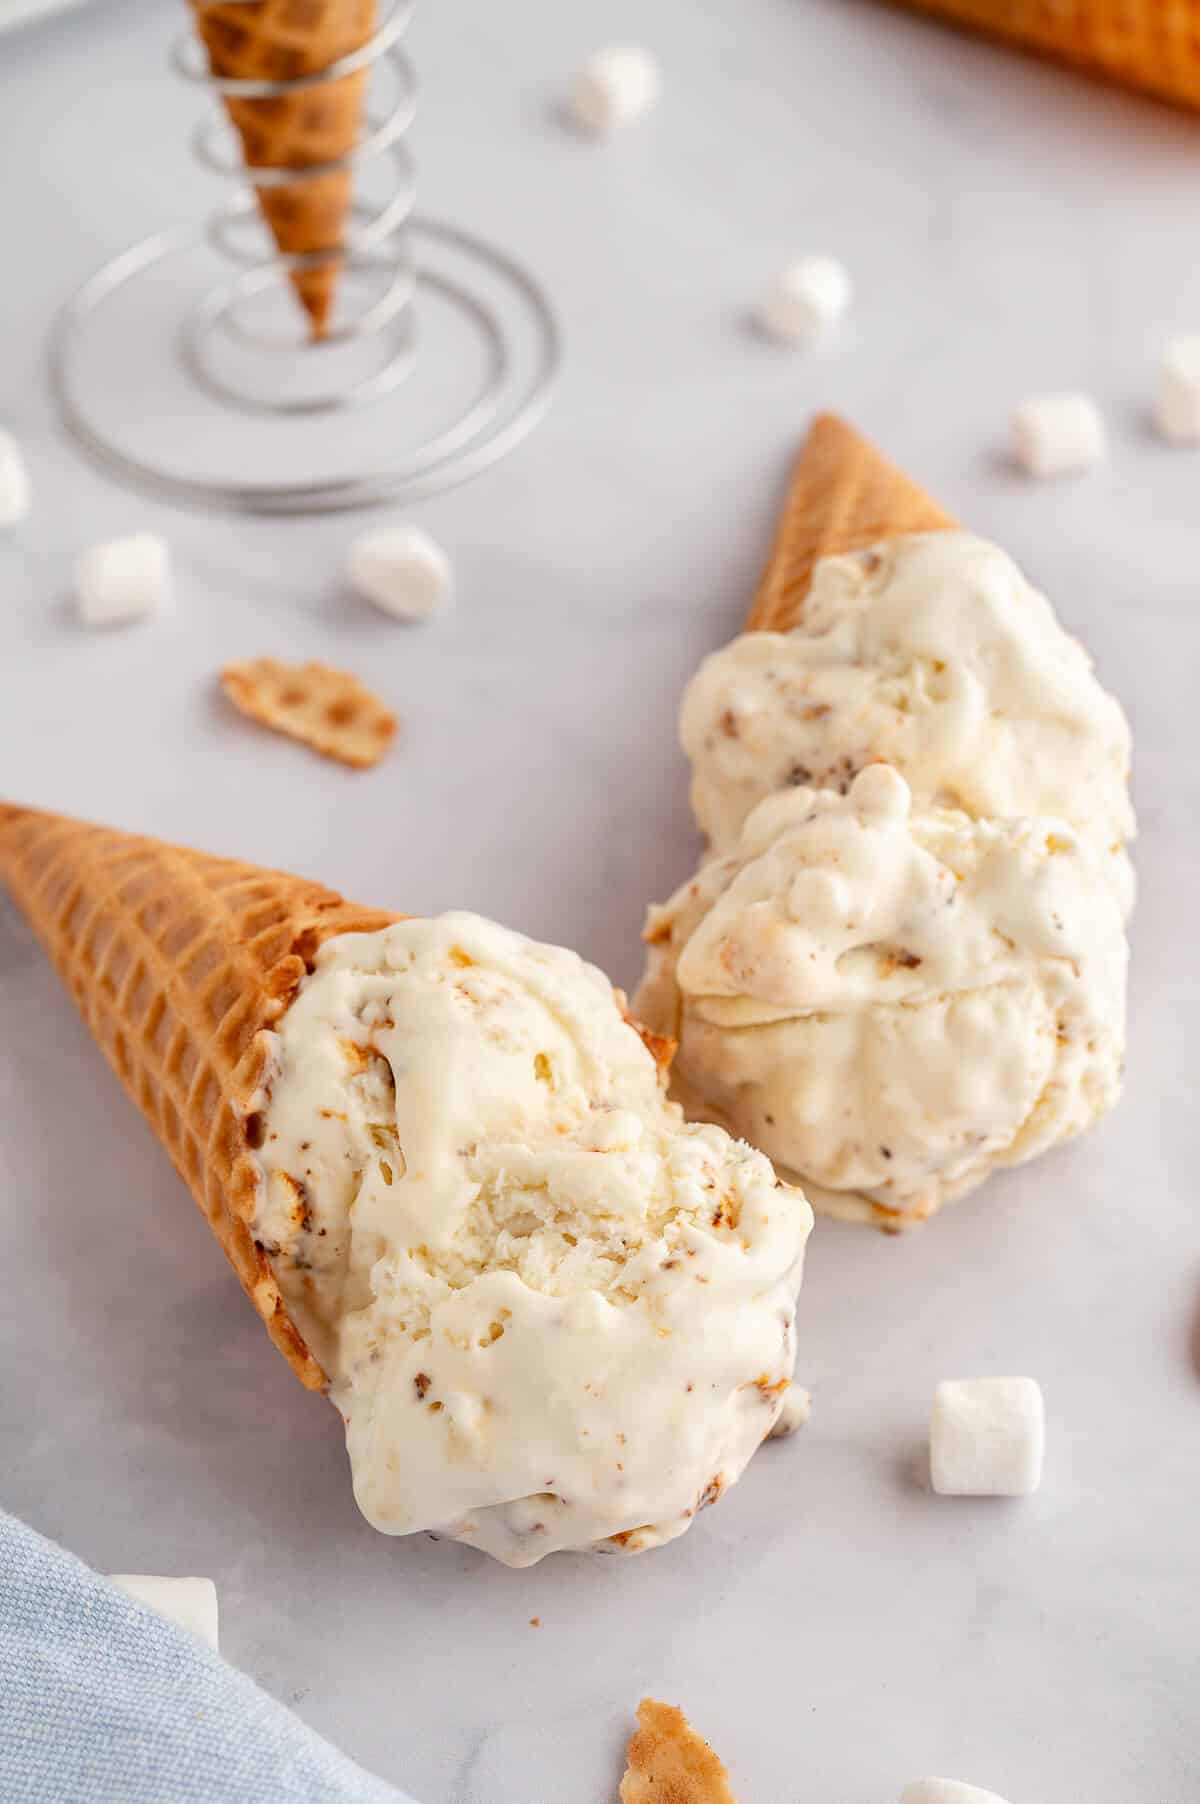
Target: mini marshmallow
987,1437
401,570
806,301
797,1408
190,1603
615,86
1057,435
14,482
1178,412
121,580
946,1791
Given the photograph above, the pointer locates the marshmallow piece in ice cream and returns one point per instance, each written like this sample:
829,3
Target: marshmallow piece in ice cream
553,1314
797,1408
892,1001
190,1603
987,1437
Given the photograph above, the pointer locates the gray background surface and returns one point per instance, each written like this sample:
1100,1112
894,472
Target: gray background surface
833,1628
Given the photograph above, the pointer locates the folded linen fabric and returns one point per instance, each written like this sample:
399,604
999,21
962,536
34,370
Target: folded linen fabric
102,1701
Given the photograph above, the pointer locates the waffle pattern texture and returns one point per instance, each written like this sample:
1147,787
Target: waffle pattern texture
279,40
844,495
1149,44
180,963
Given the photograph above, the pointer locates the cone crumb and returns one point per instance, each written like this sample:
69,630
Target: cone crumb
327,710
669,1763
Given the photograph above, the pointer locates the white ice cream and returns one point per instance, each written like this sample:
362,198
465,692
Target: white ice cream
932,654
892,1002
553,1315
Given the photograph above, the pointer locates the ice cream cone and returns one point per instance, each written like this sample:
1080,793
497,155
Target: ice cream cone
180,962
278,40
1148,44
844,495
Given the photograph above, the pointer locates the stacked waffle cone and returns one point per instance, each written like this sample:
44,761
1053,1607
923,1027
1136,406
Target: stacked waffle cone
286,40
1149,44
181,964
844,495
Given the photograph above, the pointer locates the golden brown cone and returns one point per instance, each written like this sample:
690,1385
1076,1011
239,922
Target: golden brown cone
178,962
1149,44
276,40
844,495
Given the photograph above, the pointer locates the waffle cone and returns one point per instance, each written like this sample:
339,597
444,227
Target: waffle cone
277,40
179,963
1149,44
843,496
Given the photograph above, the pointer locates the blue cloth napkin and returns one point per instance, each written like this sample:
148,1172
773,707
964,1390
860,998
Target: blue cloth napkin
104,1702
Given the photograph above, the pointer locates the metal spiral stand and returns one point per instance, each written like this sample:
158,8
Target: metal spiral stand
412,267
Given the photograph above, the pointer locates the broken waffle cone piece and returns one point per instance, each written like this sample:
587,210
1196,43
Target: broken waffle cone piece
281,40
844,495
326,709
181,963
1149,44
668,1763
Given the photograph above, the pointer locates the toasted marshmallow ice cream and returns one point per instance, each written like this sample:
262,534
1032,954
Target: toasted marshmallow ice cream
553,1314
892,1001
934,655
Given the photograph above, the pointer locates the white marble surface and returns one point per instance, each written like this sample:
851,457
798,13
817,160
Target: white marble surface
833,1627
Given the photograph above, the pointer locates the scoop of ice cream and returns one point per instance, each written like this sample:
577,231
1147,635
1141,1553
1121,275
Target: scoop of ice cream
554,1315
892,1002
932,654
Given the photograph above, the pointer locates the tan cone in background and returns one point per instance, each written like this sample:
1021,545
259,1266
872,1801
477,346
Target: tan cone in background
844,495
277,40
178,962
1149,44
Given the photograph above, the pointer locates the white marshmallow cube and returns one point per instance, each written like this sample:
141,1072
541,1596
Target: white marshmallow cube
1178,411
401,570
190,1603
122,580
615,86
987,1437
806,301
797,1408
14,483
1057,435
946,1791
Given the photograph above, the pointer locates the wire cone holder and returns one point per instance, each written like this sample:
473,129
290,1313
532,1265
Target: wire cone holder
245,345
